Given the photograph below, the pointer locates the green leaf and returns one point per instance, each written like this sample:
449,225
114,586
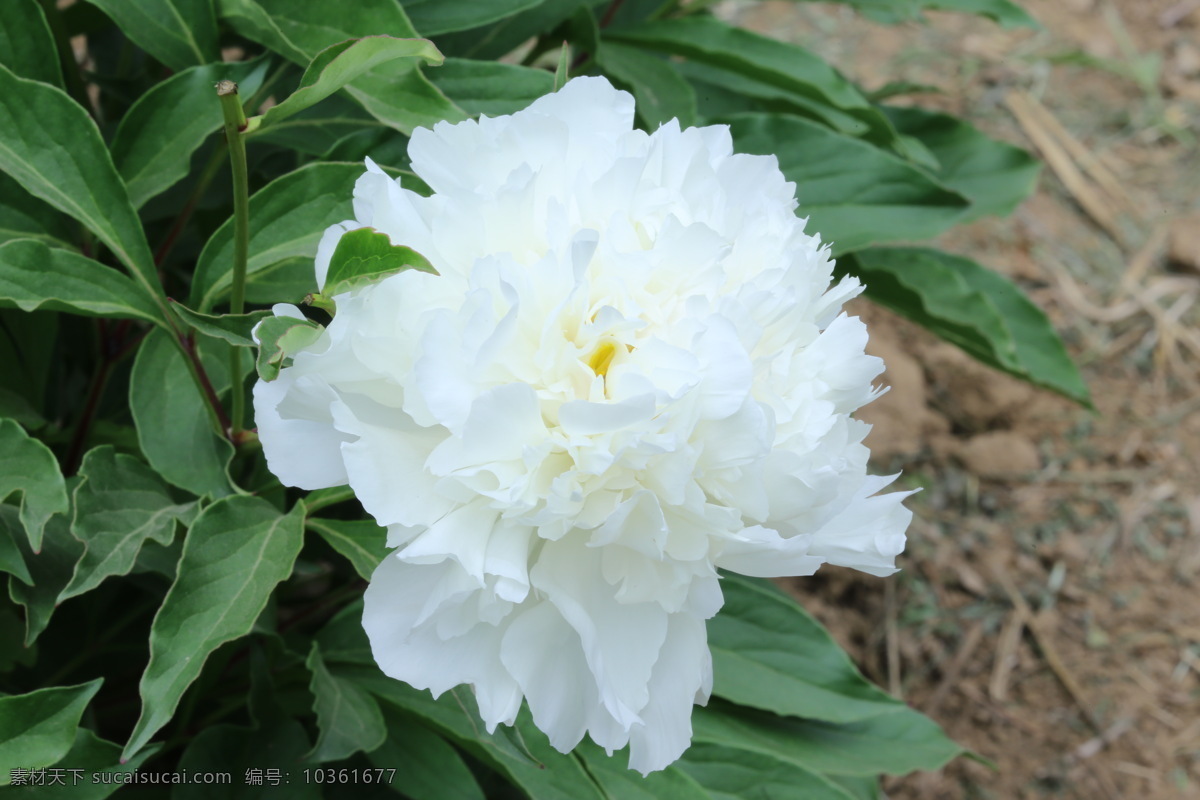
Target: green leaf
23,216
119,505
91,766
235,553
732,773
973,307
491,87
581,31
427,768
27,466
859,787
902,87
348,717
290,215
12,541
37,729
28,345
242,752
13,652
522,753
362,542
26,44
50,145
171,419
339,64
179,33
50,571
232,328
993,175
385,148
316,131
394,92
262,759
432,17
324,498
34,275
157,137
614,777
721,93
280,338
769,653
662,93
19,409
490,42
895,743
1005,12
563,70
759,58
853,193
343,640
364,256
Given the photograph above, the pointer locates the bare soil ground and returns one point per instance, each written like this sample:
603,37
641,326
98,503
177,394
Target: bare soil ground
1048,612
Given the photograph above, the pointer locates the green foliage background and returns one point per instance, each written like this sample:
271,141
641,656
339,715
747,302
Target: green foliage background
170,606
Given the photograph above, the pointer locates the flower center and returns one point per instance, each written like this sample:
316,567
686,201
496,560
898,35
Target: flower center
601,358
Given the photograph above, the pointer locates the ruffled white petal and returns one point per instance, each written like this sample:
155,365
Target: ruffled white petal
302,450
631,370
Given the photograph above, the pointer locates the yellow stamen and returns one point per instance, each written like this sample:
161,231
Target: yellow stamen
601,358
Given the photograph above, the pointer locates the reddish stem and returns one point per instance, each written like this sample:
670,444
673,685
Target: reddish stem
115,347
611,12
176,229
210,394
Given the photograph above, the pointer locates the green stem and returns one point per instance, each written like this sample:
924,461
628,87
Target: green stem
235,124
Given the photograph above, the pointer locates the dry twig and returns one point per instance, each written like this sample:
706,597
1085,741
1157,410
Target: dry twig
954,671
1046,645
1032,117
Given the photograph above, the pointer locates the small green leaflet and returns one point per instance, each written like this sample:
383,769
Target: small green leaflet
120,504
281,337
339,64
233,328
348,717
49,570
37,729
561,73
362,542
27,466
89,757
364,256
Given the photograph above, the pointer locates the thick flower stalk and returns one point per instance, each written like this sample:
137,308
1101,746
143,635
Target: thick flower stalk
631,371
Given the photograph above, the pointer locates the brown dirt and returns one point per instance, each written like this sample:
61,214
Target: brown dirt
1047,615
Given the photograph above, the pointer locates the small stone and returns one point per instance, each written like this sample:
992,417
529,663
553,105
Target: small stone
999,454
1183,247
1185,61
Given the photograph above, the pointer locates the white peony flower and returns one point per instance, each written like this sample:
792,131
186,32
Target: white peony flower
631,371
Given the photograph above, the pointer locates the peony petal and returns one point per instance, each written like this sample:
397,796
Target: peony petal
620,642
582,418
398,597
681,675
385,465
301,451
